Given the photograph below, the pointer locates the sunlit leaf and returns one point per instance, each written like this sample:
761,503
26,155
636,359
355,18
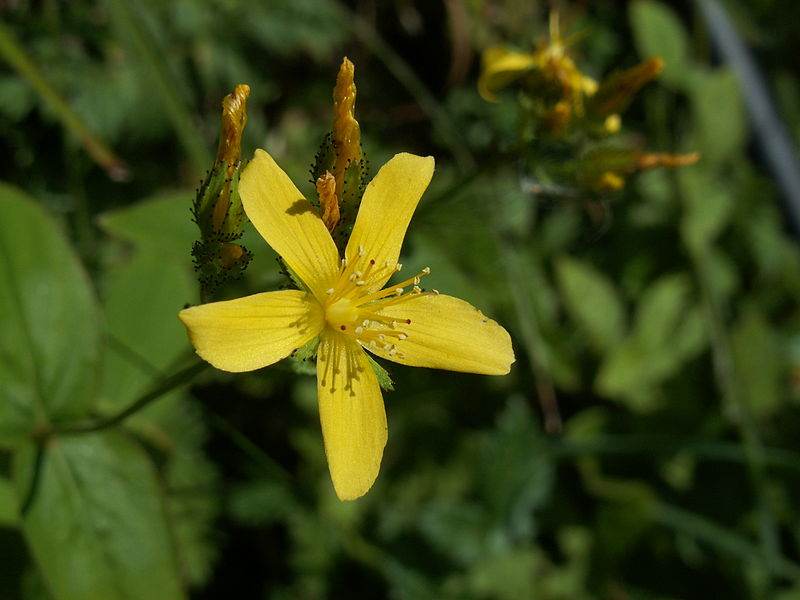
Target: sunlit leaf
657,31
96,524
50,330
592,301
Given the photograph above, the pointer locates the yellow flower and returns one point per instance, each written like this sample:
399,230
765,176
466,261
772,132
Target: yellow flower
347,306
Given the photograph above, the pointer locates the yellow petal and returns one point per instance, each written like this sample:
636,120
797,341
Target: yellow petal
448,333
254,331
288,222
500,67
386,209
352,415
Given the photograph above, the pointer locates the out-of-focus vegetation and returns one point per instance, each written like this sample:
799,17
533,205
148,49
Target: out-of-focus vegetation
644,445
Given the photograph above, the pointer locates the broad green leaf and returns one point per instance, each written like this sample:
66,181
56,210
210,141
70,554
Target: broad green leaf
719,116
592,301
96,526
141,300
657,31
50,328
161,224
660,310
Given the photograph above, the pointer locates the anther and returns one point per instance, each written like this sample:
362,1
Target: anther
402,336
361,282
394,324
435,292
416,290
361,251
398,266
393,351
426,270
329,292
365,323
416,280
388,263
359,330
381,337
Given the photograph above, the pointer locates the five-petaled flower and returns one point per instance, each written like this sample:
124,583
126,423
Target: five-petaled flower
347,306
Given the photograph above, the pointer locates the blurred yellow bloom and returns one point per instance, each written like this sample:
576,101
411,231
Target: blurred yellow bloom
347,306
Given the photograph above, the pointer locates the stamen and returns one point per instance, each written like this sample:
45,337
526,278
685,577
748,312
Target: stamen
402,337
329,292
426,270
361,282
359,330
361,251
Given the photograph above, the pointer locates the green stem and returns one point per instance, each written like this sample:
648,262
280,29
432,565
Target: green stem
700,528
725,374
531,333
180,378
440,119
14,54
256,454
668,444
164,84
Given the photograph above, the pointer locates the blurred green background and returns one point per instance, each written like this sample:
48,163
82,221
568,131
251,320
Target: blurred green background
644,445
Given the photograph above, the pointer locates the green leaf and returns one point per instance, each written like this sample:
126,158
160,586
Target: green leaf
668,331
719,116
96,526
657,31
144,295
708,206
592,301
50,333
161,224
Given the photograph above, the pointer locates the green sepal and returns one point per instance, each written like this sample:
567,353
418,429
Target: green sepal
384,379
216,258
355,183
302,360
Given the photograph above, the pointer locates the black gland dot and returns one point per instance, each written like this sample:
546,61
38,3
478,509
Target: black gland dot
343,327
408,321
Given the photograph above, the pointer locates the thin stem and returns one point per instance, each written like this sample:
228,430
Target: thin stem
14,54
256,454
726,376
397,66
531,334
180,378
698,527
669,444
164,83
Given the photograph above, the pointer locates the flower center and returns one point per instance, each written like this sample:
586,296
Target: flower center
356,303
342,314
